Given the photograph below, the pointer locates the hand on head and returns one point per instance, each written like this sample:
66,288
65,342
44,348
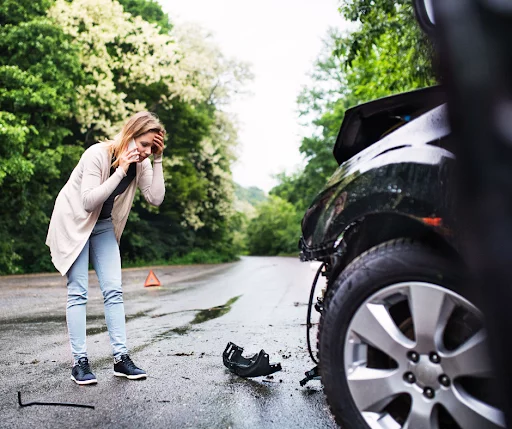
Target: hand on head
158,143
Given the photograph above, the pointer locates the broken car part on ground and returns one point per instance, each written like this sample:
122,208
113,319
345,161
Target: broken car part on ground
254,366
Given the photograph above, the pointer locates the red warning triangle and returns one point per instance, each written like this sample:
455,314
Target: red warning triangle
152,280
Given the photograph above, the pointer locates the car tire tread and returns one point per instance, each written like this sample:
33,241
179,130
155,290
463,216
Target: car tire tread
412,256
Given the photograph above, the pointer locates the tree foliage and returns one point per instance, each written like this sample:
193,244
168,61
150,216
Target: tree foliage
150,11
39,71
382,22
121,55
70,73
275,230
384,55
252,195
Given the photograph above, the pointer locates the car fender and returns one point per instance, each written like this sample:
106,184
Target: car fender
404,179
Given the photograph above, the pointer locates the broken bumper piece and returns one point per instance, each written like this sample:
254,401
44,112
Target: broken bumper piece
254,366
310,375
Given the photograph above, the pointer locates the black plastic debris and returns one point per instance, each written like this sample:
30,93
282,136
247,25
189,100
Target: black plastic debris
312,374
254,366
64,404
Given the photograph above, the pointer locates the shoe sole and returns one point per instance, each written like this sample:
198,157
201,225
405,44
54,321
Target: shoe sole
130,377
92,381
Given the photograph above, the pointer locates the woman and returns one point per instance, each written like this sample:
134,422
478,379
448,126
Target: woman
88,219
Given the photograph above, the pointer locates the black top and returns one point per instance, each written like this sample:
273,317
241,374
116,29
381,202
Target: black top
106,210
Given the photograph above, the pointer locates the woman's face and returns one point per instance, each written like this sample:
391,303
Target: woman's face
144,144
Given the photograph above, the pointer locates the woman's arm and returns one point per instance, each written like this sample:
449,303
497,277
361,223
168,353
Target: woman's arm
93,192
151,182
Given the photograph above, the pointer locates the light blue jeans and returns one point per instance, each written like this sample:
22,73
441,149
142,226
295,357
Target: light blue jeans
103,250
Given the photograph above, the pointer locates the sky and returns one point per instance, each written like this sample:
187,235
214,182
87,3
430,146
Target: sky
281,40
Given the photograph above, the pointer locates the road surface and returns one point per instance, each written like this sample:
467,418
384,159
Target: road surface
177,333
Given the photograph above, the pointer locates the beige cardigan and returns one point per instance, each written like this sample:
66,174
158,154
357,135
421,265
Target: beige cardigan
79,203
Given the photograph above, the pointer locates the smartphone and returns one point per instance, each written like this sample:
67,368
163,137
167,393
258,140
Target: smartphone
132,145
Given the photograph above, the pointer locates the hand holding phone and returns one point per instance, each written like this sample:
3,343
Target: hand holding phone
129,156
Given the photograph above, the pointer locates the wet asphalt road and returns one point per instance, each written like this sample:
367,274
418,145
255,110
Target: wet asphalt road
177,333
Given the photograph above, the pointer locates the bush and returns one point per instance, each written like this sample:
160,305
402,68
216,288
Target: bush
195,256
275,229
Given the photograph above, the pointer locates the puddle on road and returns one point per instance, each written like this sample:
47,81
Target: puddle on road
180,330
94,331
58,318
214,312
103,328
257,388
139,314
61,318
155,316
201,317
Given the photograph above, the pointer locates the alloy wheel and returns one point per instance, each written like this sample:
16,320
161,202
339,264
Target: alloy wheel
415,357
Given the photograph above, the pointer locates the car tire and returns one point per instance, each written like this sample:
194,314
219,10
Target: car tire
374,333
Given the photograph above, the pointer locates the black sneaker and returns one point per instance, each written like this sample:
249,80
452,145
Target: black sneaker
124,367
82,374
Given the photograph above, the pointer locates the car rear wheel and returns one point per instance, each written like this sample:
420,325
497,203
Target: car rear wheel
403,347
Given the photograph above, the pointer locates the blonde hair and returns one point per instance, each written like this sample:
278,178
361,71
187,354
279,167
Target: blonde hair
137,125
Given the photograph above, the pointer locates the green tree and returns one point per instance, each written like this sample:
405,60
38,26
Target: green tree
384,55
395,19
18,11
275,229
70,73
150,11
252,194
39,71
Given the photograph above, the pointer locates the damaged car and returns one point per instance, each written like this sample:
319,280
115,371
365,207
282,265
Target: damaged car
401,340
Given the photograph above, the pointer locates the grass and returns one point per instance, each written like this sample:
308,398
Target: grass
196,256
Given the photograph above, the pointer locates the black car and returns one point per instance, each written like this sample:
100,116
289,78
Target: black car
401,340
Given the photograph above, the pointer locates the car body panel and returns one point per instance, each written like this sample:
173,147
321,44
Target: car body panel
364,124
405,173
